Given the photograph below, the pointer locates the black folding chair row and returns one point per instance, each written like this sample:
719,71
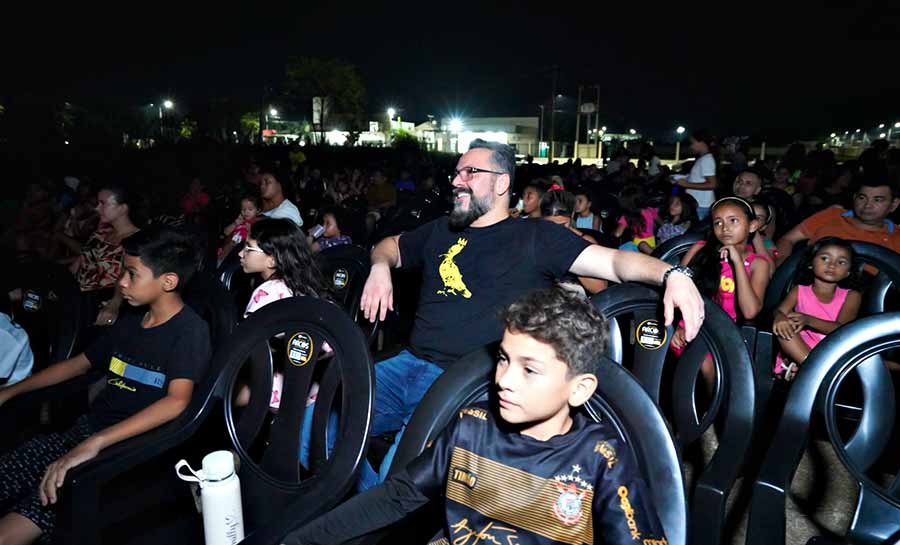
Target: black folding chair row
852,349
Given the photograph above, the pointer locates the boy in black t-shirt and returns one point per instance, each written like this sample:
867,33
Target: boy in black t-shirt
532,469
152,361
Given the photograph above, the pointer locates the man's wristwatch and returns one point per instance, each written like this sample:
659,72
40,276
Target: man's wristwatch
680,269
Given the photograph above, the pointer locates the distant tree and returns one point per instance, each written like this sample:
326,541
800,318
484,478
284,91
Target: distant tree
249,125
340,82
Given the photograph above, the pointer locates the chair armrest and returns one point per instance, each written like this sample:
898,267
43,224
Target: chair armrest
71,386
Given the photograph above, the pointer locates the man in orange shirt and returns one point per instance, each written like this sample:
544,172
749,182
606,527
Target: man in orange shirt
873,202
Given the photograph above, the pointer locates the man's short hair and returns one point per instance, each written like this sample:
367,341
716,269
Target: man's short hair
879,178
164,250
503,156
565,321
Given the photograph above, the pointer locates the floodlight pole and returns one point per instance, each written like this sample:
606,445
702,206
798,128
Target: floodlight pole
577,122
552,113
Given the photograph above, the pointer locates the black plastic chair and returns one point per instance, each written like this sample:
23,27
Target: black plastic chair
346,268
886,261
636,309
619,399
238,283
48,312
852,349
672,250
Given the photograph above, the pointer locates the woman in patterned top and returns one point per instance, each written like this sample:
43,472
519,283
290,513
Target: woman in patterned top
99,265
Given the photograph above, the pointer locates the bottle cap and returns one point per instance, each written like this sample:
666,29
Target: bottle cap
218,465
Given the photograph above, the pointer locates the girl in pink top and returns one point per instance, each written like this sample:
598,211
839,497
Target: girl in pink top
641,220
821,301
727,270
278,251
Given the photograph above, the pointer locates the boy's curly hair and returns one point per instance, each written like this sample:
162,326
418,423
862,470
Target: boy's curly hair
564,320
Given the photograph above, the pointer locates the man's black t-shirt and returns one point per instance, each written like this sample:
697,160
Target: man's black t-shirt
140,362
468,276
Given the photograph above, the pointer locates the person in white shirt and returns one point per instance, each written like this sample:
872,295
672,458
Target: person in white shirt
274,203
701,182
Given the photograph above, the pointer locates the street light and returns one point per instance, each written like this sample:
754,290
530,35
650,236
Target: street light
632,131
882,135
168,104
881,126
391,113
273,112
456,124
679,131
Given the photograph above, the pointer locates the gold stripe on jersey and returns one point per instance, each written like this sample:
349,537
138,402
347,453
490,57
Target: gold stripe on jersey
518,498
441,541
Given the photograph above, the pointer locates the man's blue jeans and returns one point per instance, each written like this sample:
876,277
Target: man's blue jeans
400,383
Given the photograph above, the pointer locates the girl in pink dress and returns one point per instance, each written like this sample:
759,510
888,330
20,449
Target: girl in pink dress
727,270
821,301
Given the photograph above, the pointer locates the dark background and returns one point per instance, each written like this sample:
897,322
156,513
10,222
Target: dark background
786,70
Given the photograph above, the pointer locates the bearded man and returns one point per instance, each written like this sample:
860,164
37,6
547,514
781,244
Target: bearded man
478,261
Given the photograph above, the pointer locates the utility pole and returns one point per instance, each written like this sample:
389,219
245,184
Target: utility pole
553,113
597,122
577,122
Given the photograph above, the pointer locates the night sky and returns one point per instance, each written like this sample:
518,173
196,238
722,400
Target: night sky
740,68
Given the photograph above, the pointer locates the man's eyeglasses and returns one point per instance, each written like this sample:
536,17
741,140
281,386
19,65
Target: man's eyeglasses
248,248
467,173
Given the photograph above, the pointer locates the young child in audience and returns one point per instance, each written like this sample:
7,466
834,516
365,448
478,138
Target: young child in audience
277,250
762,242
584,218
152,360
679,215
558,207
727,269
530,467
822,300
240,227
331,234
638,219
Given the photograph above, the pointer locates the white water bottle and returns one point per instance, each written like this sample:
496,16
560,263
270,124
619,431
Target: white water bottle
220,497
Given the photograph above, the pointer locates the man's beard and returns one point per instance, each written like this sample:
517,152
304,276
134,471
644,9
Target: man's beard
459,218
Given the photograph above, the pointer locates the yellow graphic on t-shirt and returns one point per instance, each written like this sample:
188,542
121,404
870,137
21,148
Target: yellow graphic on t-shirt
452,278
726,284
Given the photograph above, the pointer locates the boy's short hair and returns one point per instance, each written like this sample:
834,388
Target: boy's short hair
564,320
164,250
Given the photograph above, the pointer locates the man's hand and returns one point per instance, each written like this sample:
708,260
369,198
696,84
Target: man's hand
56,472
681,293
378,293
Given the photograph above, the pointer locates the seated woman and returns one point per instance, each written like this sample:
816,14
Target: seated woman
99,264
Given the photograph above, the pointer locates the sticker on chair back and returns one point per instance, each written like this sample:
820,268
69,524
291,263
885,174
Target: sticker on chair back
339,279
650,334
300,349
31,301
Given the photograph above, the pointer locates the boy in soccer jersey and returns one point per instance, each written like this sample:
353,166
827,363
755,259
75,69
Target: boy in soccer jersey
530,468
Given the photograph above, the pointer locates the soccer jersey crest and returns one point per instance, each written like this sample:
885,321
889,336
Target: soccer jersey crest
568,507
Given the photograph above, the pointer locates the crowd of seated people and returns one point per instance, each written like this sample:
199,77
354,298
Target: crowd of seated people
478,250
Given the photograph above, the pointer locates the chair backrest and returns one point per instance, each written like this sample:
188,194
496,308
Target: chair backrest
886,261
619,399
346,268
640,340
854,347
279,494
238,283
214,304
46,312
672,250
